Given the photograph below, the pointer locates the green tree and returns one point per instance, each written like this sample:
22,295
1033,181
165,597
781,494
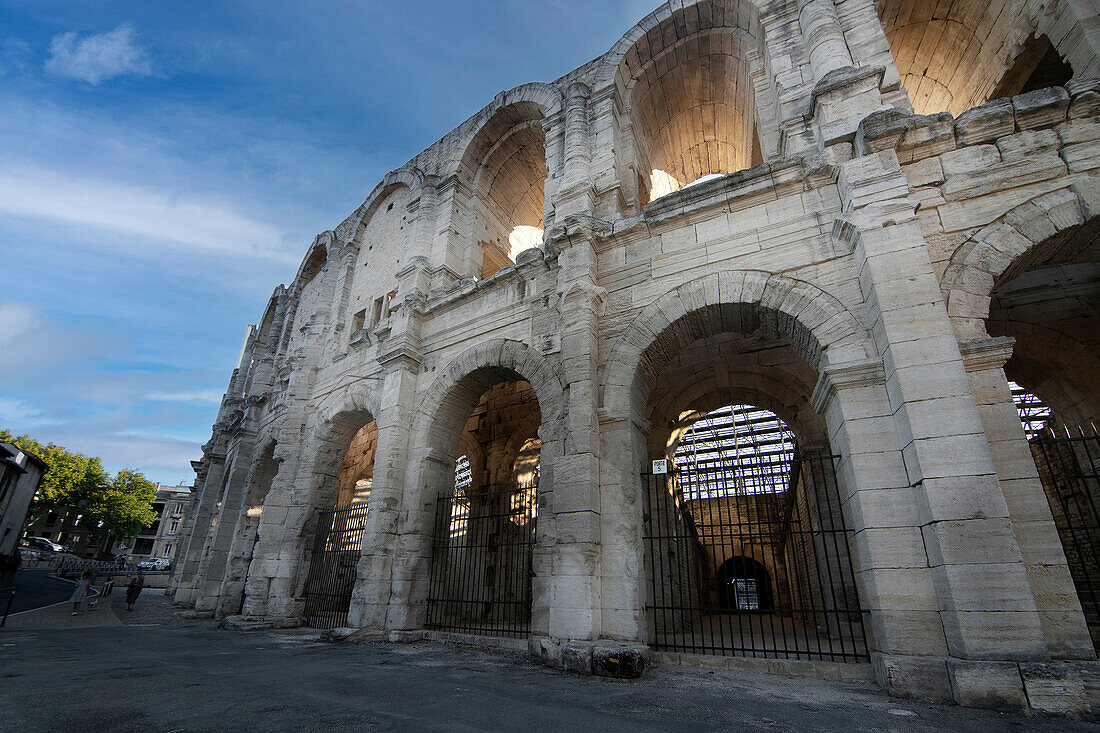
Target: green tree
125,505
70,477
121,506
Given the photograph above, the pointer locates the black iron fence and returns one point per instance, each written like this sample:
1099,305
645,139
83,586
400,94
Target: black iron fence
337,546
481,562
748,567
1070,471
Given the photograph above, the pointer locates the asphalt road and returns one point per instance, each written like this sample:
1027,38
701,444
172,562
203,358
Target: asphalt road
192,677
34,589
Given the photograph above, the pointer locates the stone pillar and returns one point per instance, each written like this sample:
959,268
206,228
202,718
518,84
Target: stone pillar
1064,628
371,598
987,608
576,575
905,637
202,513
574,191
824,38
208,580
262,475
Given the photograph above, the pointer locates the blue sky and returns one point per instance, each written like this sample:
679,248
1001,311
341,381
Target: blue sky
163,166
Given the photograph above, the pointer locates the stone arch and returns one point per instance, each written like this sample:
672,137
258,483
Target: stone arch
1003,249
486,362
316,259
816,324
539,100
507,154
609,64
434,442
411,178
955,56
685,103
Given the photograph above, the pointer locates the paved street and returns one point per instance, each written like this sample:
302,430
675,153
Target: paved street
133,672
35,588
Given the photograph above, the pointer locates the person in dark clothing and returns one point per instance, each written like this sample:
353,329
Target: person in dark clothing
134,590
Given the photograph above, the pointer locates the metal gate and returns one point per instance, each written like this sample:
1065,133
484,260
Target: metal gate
336,549
1070,471
481,562
751,563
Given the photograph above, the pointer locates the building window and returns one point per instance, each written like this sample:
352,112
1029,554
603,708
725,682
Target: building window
175,527
143,546
168,550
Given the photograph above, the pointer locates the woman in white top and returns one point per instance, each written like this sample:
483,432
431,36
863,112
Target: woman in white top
81,590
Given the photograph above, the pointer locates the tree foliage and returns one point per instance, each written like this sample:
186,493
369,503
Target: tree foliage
121,505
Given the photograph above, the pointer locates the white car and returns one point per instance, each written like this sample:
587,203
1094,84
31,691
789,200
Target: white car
155,563
41,543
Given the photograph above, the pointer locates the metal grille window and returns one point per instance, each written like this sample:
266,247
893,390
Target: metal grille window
337,545
748,550
481,560
1034,415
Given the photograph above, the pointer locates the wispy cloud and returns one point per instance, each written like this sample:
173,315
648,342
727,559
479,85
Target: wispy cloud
98,56
201,395
22,415
29,341
14,53
148,213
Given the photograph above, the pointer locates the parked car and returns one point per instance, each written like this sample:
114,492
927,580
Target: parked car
155,563
41,543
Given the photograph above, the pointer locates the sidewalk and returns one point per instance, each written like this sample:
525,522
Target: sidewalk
152,608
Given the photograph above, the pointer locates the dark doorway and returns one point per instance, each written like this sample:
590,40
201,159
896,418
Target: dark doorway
744,585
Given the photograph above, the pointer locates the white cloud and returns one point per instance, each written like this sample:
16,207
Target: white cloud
19,415
201,395
99,56
30,342
147,213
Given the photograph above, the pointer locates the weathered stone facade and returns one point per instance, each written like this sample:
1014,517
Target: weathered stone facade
868,274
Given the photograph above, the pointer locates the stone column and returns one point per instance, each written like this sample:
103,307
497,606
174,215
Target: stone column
574,190
987,608
576,575
1067,635
905,637
202,512
371,598
824,38
208,580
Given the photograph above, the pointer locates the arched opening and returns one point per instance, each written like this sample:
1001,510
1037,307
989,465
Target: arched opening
747,546
344,470
506,163
687,90
744,585
1047,300
955,56
482,556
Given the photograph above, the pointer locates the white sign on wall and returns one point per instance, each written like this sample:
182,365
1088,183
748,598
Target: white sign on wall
660,466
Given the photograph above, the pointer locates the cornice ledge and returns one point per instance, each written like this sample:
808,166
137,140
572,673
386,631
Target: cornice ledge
988,353
838,377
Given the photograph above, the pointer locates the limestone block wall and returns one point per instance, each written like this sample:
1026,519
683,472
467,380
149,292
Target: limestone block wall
856,268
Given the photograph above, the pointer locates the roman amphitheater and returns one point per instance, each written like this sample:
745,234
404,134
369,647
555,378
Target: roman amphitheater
767,340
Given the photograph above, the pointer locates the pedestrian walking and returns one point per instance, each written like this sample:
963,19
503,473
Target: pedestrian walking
134,590
81,590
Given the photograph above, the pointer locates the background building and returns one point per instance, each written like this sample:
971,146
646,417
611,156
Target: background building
20,474
162,537
69,527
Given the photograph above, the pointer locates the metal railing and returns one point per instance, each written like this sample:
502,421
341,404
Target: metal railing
337,546
737,570
482,562
1069,469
